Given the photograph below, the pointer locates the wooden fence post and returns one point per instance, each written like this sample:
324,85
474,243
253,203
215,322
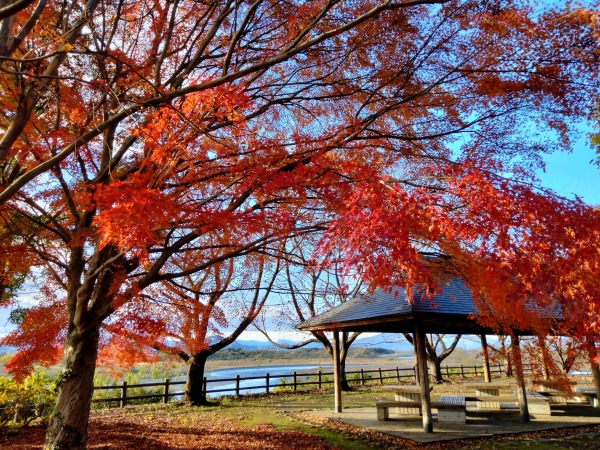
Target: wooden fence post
475,368
362,376
267,383
295,381
123,394
462,371
320,381
380,376
166,391
237,385
205,387
397,373
447,372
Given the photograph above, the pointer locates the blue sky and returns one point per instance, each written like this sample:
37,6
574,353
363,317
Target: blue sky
572,173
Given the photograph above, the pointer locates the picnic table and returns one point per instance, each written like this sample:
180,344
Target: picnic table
589,393
552,385
554,391
407,401
486,391
407,394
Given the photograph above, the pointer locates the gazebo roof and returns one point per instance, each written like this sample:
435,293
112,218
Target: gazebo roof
451,311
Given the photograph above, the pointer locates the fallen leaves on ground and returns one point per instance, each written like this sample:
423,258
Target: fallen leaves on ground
172,429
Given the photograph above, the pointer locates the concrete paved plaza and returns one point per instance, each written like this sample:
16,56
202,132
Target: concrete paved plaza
479,423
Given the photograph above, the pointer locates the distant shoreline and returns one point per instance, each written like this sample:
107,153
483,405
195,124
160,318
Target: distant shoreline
227,364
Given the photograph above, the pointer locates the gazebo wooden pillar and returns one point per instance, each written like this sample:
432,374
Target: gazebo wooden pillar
423,376
486,359
337,376
521,392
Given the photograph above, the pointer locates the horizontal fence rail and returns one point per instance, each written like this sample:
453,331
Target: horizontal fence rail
163,391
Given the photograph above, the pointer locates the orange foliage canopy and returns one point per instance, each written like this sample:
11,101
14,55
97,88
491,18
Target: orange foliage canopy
176,136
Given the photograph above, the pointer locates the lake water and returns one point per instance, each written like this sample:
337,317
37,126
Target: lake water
223,381
258,379
277,375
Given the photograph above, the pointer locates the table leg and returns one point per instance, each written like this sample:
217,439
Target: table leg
487,393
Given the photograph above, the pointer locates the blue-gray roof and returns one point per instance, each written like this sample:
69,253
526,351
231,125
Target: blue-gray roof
450,311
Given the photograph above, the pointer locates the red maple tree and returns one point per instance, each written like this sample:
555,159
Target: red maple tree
140,134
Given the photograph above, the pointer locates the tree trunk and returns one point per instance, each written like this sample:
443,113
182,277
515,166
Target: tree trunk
68,424
436,364
595,371
508,370
344,381
545,359
195,393
343,353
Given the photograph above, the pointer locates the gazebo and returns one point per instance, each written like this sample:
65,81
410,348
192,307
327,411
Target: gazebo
451,311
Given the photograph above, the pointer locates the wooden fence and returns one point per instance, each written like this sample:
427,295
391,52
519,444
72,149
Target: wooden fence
266,383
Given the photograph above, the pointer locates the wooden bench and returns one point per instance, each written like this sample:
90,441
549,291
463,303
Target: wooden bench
448,410
383,407
589,394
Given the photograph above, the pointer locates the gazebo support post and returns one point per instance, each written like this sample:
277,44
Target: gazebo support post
337,376
416,361
595,370
486,359
423,377
521,392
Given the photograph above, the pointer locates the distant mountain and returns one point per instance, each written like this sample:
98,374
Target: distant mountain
251,345
388,342
265,345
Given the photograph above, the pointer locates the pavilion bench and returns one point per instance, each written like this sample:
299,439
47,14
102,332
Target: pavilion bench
448,410
537,403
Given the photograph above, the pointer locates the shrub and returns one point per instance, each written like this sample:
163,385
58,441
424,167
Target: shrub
132,378
32,399
355,377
